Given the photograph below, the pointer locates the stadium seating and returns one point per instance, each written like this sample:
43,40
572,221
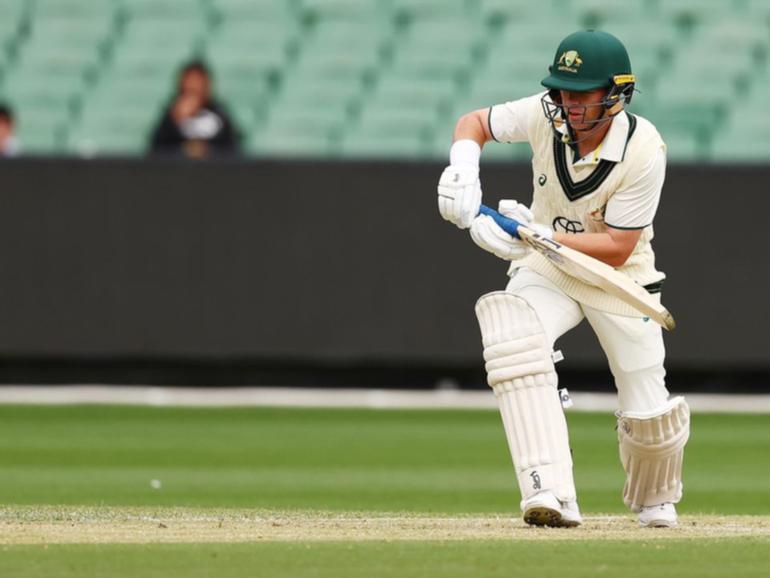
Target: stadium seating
371,78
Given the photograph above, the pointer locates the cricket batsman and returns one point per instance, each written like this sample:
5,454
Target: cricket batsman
598,172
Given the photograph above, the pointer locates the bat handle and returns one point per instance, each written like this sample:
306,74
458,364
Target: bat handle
510,226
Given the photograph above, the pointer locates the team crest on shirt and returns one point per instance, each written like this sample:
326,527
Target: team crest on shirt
597,216
570,61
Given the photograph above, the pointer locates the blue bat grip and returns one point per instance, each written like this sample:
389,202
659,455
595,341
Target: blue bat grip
510,226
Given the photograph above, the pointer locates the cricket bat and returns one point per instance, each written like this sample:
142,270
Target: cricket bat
588,270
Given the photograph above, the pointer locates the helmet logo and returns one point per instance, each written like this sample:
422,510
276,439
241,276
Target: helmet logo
569,61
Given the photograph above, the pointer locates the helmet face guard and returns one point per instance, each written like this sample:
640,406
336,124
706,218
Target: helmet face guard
619,93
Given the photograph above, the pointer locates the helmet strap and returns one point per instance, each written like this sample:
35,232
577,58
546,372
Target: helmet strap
557,116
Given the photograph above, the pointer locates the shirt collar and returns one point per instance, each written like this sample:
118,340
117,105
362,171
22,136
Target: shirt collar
613,147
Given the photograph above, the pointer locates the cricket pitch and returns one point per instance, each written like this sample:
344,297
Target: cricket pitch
92,525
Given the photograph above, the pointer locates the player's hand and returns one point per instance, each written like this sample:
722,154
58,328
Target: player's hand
521,213
488,235
459,194
516,211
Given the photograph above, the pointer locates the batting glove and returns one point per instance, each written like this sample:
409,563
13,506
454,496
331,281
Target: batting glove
459,189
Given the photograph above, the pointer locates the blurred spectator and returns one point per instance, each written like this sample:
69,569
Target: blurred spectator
194,124
9,144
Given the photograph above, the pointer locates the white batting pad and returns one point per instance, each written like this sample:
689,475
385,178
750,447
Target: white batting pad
652,450
521,373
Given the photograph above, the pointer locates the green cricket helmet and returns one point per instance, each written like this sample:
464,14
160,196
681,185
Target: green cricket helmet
589,60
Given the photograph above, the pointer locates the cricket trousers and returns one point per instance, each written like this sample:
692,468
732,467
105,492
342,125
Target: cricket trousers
633,345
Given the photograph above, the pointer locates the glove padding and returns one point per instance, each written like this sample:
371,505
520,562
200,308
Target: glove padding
459,194
488,235
516,211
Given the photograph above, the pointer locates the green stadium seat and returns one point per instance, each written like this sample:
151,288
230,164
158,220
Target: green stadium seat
758,88
711,89
41,110
369,77
40,128
13,9
523,40
107,143
391,125
310,132
121,99
489,95
142,75
381,117
351,69
523,74
599,13
159,41
248,46
445,32
107,128
732,34
387,146
688,13
733,67
502,152
54,73
230,58
436,65
245,117
40,140
283,144
74,10
265,11
291,118
423,67
25,86
431,8
345,10
256,34
441,137
235,86
699,119
428,96
740,122
742,145
338,37
519,10
758,9
122,92
323,96
684,146
71,34
173,10
9,27
47,60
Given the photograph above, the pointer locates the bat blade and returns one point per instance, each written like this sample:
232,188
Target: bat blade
589,270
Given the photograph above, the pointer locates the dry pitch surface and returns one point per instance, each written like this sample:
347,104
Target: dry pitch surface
56,525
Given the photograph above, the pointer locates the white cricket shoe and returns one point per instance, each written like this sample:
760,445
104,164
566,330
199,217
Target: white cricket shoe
660,516
544,509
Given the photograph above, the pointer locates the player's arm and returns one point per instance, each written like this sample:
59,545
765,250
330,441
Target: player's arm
474,126
613,247
459,188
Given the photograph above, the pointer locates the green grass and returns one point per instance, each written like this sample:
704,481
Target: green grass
421,461
629,559
440,462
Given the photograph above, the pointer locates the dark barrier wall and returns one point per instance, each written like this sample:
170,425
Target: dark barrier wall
331,262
